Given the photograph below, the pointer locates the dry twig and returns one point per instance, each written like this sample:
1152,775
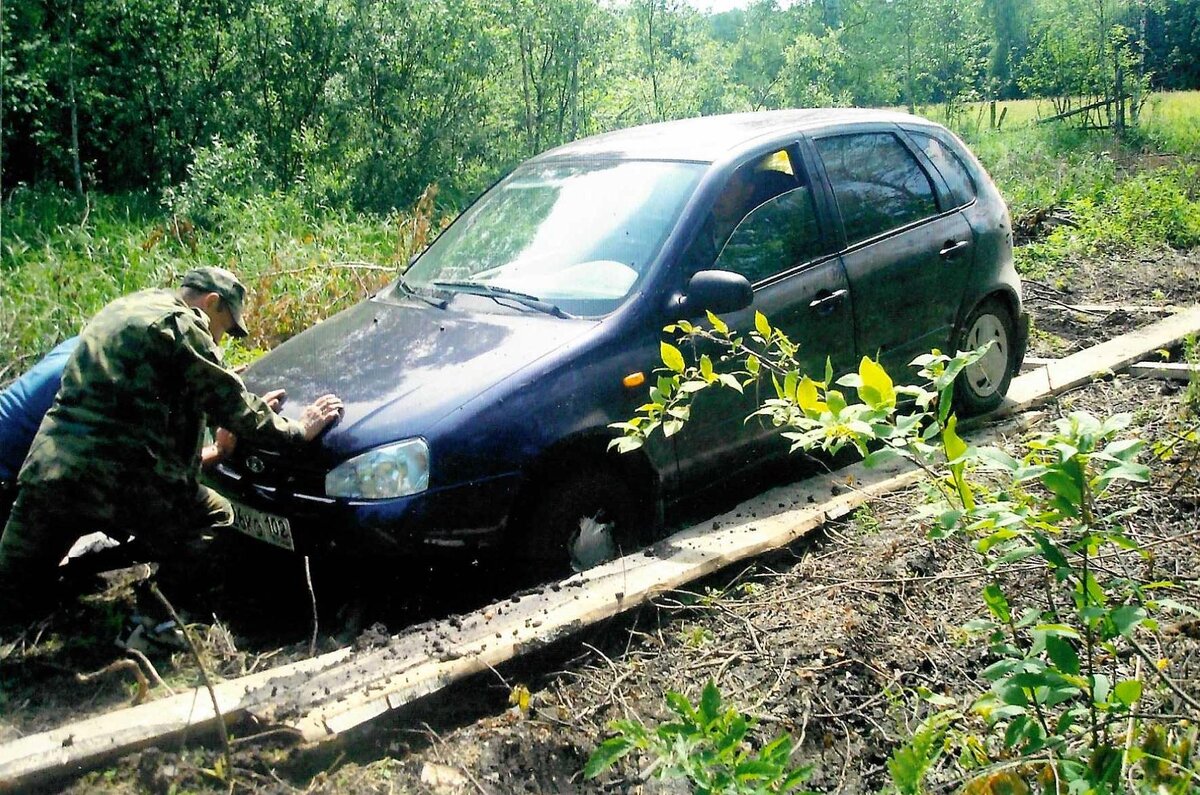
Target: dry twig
150,669
115,666
212,693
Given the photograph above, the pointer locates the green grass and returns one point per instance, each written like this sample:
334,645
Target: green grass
64,259
1171,120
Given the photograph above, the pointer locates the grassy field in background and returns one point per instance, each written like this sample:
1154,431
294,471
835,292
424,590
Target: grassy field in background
1168,116
62,259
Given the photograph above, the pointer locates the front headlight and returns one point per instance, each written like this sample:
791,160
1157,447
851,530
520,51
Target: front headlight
395,470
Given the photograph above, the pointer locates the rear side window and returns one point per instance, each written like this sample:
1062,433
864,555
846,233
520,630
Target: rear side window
878,183
950,165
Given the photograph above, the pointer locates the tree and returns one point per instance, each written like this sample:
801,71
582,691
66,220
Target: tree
1009,24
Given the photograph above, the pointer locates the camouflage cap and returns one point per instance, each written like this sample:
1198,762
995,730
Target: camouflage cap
224,284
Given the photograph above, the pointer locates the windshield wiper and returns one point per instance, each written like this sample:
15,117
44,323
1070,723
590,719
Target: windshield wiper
412,291
495,293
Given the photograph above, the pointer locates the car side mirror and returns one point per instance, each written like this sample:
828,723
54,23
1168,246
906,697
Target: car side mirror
718,292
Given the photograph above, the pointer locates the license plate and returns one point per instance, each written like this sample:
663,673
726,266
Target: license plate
266,527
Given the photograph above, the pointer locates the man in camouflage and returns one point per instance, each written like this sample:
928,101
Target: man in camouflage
120,449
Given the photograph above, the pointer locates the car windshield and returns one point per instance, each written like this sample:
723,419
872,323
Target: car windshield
571,237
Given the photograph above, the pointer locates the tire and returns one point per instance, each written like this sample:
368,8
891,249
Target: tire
982,386
578,521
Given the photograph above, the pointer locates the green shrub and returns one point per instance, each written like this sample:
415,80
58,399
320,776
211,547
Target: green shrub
707,746
1146,211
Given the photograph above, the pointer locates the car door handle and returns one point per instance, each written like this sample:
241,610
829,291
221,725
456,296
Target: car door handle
952,247
827,302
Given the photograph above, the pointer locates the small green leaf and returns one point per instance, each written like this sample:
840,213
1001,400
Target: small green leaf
877,389
710,702
996,602
1128,691
808,398
790,382
951,441
1015,731
606,756
996,458
1062,653
717,323
882,456
761,325
730,381
672,357
1128,618
680,705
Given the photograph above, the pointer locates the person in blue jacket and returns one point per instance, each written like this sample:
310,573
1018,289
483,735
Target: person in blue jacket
22,406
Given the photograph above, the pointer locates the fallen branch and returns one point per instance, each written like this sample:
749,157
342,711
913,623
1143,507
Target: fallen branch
117,666
150,669
312,643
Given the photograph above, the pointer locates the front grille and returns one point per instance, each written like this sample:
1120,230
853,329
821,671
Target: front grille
277,471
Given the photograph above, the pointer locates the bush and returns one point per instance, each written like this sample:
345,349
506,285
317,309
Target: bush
1147,211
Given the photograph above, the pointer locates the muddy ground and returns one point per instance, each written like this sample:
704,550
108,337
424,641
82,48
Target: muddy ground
826,640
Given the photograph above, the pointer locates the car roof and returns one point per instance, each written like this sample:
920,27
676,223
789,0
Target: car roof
709,138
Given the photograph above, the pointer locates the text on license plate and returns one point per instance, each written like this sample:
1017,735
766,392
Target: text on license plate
264,526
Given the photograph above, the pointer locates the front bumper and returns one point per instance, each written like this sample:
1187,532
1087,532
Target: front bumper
466,517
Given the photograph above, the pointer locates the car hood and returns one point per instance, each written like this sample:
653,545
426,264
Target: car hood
400,368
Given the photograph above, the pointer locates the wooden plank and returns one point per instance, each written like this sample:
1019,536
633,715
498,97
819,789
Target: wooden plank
1133,309
1038,386
1034,362
79,745
409,667
1172,371
327,695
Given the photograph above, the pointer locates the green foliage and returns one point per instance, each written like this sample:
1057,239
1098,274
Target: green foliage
365,103
865,520
912,761
1149,210
63,259
1067,663
218,177
708,746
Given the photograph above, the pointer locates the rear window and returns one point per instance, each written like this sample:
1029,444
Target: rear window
878,183
949,165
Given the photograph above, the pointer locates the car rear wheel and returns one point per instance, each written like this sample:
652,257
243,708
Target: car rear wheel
982,386
580,520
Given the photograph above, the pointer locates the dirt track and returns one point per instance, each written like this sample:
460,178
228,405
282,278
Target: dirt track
824,640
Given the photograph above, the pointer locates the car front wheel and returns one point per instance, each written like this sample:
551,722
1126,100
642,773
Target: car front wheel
982,386
579,520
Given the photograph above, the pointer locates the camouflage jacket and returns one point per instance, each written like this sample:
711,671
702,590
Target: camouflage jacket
136,396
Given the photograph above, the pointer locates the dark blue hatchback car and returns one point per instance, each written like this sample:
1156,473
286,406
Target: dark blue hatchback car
480,387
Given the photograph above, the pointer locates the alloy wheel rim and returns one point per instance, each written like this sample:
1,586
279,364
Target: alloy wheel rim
986,375
593,543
